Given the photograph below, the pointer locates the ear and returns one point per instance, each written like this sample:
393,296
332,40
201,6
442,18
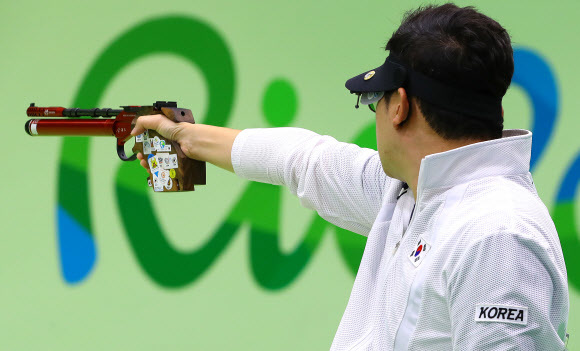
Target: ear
402,111
502,111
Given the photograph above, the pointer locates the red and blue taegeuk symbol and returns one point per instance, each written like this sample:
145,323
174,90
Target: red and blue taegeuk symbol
418,251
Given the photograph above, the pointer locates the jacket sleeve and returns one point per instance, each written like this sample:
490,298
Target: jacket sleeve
344,183
508,293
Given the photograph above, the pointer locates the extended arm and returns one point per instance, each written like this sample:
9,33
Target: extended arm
344,183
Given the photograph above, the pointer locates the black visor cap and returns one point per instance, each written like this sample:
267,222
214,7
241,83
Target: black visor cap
393,74
389,76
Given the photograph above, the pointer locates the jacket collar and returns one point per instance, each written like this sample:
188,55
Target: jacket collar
509,155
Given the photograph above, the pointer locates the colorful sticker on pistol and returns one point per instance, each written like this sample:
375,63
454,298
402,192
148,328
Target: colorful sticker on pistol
169,184
147,146
163,146
164,177
153,164
155,143
146,138
160,159
172,173
157,185
139,138
167,161
172,161
163,159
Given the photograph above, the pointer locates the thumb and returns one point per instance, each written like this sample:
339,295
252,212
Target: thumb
159,123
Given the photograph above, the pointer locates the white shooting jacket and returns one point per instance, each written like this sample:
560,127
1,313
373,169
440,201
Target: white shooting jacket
474,264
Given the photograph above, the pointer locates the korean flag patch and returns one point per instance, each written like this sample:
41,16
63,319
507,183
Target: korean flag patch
418,254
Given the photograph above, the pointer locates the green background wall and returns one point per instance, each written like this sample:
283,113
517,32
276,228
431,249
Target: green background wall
242,266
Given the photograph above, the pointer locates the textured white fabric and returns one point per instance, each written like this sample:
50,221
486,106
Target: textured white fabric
489,240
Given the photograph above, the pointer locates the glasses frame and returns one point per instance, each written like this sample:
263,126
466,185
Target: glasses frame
373,106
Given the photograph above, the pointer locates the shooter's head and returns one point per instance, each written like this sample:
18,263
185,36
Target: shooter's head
447,71
462,48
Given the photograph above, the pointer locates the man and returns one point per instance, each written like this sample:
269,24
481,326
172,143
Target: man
461,253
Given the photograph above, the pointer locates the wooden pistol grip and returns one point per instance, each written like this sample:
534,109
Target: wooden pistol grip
166,157
194,170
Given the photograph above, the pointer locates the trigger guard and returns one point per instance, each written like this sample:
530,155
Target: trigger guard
122,155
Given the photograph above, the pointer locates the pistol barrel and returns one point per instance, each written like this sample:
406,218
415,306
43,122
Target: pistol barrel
71,127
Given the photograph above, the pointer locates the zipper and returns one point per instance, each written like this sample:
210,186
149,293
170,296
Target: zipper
421,172
398,244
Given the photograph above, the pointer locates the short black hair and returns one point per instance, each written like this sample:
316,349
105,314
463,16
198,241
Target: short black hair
448,43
